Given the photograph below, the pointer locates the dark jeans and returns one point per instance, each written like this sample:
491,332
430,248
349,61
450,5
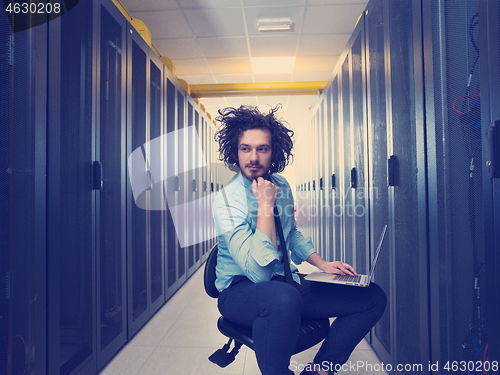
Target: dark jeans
273,309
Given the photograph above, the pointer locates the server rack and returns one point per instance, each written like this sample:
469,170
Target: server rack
377,170
182,191
193,189
138,217
456,208
171,183
71,211
406,181
359,153
155,158
336,172
322,190
327,179
489,37
110,180
23,209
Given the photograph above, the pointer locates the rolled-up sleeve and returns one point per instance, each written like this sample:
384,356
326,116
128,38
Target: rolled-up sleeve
301,248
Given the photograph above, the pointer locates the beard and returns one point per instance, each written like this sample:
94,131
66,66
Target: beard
251,175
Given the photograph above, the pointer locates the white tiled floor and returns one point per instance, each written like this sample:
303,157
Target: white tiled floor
182,335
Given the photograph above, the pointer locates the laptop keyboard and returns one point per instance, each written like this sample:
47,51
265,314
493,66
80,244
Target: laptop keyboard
354,279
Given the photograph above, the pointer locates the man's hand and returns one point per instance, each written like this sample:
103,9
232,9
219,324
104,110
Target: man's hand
265,192
338,268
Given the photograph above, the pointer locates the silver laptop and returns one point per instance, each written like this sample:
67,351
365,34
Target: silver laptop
360,280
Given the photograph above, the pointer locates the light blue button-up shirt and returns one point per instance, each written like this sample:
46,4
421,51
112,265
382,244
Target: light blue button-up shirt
245,250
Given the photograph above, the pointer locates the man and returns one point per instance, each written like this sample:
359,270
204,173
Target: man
249,263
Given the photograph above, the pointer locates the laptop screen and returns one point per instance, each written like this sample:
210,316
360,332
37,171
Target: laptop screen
377,252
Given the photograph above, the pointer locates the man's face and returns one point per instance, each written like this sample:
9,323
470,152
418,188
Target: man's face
254,153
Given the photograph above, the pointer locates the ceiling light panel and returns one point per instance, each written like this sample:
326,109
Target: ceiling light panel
275,24
255,14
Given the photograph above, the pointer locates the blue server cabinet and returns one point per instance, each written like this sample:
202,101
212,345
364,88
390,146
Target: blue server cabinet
23,210
109,168
489,41
336,172
138,218
171,184
71,199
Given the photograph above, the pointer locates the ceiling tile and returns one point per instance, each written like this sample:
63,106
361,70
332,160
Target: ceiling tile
230,66
273,77
165,24
151,5
253,14
234,78
332,19
191,67
262,46
274,2
337,2
311,64
216,22
314,45
205,4
180,49
198,79
224,47
313,76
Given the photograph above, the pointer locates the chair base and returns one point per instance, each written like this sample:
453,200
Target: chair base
223,356
312,332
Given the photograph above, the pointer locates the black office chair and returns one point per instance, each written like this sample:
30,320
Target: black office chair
312,331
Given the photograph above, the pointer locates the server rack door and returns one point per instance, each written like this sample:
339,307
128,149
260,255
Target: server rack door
315,225
171,185
138,216
71,201
23,132
348,251
207,215
203,187
489,22
407,199
110,134
310,189
324,179
327,178
181,208
190,200
198,188
336,173
210,181
359,151
377,184
456,211
317,174
157,205
321,179
456,224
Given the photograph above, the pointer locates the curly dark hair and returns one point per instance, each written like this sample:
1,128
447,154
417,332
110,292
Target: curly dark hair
236,121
